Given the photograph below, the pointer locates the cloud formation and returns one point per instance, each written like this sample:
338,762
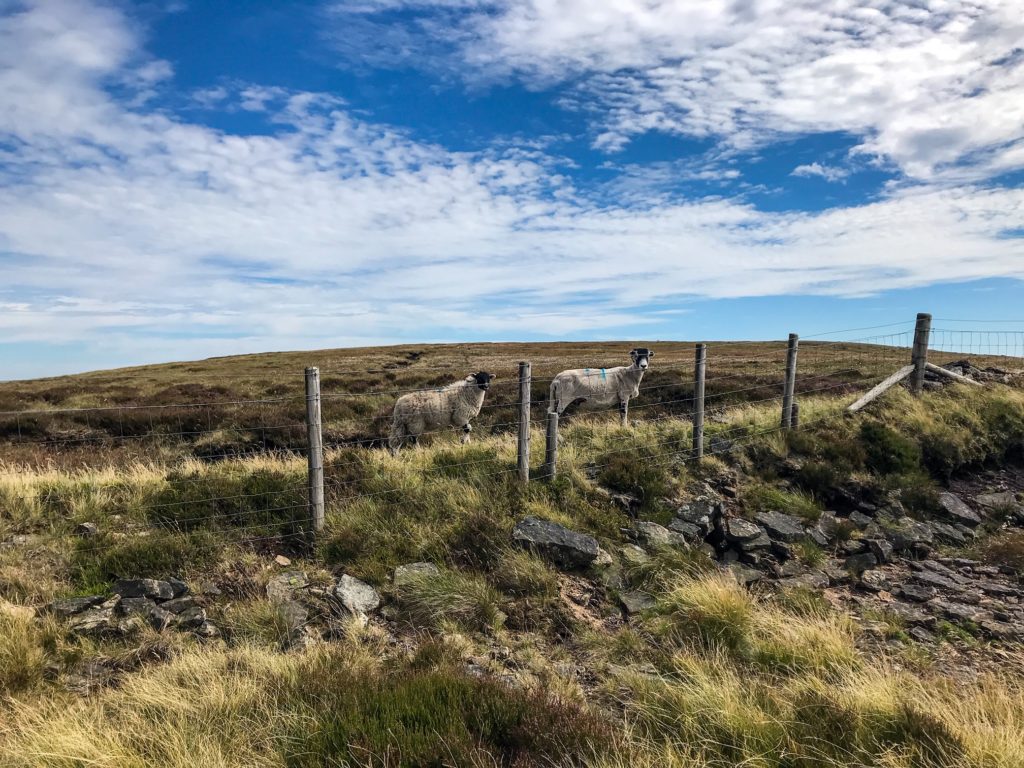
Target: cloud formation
121,223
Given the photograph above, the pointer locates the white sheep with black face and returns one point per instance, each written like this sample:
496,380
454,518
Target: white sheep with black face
601,387
452,406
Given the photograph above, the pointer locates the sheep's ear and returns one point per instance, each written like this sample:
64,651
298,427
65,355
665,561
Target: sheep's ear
650,354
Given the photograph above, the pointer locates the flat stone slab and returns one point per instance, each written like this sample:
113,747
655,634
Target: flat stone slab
780,526
996,500
157,590
739,530
406,574
72,606
636,602
955,508
556,543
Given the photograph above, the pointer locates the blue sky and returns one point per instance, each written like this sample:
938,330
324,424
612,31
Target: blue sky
184,179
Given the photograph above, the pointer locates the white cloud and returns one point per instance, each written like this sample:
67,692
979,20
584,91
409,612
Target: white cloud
827,172
934,86
123,226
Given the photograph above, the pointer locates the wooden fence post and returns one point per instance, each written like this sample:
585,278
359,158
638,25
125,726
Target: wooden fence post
919,354
700,365
790,386
316,450
551,447
524,422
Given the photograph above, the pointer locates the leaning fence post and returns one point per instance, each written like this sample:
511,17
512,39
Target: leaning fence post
524,422
551,447
700,365
919,354
316,450
790,386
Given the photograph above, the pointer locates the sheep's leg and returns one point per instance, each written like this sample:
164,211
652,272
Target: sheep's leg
395,439
466,429
624,412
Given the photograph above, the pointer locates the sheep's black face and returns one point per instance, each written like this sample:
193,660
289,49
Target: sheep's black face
641,357
483,380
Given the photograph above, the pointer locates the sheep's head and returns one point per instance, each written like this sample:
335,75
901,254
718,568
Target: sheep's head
482,379
641,357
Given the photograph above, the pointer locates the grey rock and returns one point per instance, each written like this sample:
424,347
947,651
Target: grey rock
859,563
828,524
762,542
837,574
636,602
207,631
859,519
999,630
996,500
87,530
745,575
358,597
191,618
782,527
178,604
413,572
700,514
178,587
210,589
911,614
959,611
955,508
632,555
874,580
739,530
689,530
556,543
158,590
947,533
998,590
881,549
603,559
93,621
294,614
935,580
818,537
812,580
654,536
919,593
788,569
146,609
283,587
909,535
921,635
72,606
854,546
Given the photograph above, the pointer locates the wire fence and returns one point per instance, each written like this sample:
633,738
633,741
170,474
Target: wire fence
240,463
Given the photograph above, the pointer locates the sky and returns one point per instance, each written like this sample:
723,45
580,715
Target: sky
181,179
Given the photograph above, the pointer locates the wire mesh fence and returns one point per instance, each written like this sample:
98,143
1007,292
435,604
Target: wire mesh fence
239,463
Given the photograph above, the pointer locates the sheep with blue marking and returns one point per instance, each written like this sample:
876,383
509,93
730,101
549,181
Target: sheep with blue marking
428,410
601,387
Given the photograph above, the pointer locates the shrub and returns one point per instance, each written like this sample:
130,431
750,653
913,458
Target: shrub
887,452
638,474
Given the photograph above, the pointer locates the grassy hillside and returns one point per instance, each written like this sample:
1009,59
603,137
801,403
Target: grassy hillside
501,658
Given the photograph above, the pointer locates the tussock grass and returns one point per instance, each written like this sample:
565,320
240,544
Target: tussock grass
451,597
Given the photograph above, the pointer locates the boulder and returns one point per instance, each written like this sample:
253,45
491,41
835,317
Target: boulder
147,610
874,580
921,635
98,620
654,536
997,500
881,549
358,597
700,514
909,535
283,587
739,530
860,563
178,604
781,527
636,602
745,575
812,580
690,531
935,580
412,572
955,509
191,618
178,587
758,544
130,588
72,606
859,519
947,533
633,556
919,593
556,543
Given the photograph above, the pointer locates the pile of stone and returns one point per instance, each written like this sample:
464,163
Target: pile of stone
969,370
136,603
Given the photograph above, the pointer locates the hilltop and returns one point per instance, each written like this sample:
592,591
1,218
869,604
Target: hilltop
843,593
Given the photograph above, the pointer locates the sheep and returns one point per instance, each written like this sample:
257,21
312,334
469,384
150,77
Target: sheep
597,387
451,406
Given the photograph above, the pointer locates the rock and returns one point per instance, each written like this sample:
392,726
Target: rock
881,549
762,542
911,614
788,568
828,524
874,580
72,606
782,550
689,530
859,563
955,508
407,574
998,590
654,536
632,555
859,519
745,575
93,621
210,589
87,530
700,514
207,631
739,530
999,630
1000,500
854,546
909,535
935,580
146,609
191,618
812,580
557,543
959,611
178,587
921,635
294,614
781,527
178,604
603,559
815,534
947,533
157,590
837,574
636,602
283,561
358,597
919,593
283,587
